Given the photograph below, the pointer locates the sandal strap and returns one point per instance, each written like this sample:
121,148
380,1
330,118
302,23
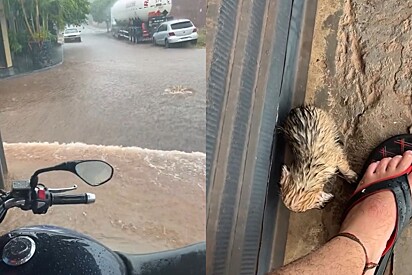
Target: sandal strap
368,265
400,188
400,180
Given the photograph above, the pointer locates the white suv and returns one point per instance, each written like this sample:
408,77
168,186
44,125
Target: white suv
174,32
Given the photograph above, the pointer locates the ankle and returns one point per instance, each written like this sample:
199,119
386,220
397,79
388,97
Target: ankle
372,222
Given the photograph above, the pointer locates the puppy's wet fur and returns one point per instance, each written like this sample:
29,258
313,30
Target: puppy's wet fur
318,156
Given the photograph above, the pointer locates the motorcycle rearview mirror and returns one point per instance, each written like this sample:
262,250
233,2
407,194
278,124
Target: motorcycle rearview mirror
93,172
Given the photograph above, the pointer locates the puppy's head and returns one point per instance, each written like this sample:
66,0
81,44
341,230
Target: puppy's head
296,197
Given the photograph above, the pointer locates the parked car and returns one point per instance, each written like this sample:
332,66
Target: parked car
175,32
72,34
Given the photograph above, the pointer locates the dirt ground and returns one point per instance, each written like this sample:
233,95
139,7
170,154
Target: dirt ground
360,71
155,201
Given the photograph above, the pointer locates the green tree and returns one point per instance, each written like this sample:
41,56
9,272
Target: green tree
74,11
37,15
100,11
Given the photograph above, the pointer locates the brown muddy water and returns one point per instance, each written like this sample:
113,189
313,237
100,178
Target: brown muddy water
155,201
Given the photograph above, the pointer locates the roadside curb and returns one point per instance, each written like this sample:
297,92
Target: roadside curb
35,71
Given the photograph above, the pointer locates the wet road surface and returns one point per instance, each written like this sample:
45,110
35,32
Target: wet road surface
110,92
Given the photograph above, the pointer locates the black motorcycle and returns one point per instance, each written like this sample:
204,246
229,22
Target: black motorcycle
54,250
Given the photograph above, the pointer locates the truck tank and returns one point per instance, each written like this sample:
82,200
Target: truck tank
123,10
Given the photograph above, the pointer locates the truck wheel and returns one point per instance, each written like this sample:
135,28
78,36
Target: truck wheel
167,45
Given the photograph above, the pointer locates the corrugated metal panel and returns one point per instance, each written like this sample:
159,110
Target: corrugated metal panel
257,71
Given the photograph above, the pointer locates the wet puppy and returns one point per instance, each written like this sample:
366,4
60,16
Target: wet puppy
314,139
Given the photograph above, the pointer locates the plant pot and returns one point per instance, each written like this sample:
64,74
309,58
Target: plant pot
41,54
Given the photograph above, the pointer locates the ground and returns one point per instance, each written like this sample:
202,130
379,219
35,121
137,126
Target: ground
109,100
360,71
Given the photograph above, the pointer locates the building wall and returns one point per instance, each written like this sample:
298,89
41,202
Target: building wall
194,10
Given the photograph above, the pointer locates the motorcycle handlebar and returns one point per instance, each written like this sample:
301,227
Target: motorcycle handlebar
39,199
85,198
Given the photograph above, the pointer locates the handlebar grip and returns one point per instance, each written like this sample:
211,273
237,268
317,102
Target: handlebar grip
85,198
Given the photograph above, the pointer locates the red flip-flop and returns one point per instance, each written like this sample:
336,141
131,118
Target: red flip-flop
399,186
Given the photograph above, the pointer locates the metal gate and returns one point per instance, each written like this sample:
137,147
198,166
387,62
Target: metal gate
257,71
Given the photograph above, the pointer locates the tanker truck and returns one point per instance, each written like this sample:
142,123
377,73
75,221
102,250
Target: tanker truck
137,20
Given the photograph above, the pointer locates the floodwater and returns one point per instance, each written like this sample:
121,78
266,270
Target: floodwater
139,107
155,201
111,92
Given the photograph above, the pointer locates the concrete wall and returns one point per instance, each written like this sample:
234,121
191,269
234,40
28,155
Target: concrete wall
194,10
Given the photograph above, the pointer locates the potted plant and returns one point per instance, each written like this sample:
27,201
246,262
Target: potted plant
39,15
39,42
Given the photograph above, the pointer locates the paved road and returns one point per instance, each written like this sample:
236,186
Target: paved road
112,93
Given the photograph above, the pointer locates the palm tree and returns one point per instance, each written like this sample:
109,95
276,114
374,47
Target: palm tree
40,10
38,13
29,22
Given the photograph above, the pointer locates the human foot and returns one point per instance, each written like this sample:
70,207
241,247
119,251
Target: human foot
373,220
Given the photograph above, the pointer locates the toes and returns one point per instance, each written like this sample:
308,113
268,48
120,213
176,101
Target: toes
383,165
387,167
406,161
393,163
372,168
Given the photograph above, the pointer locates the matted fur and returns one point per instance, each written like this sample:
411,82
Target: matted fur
314,139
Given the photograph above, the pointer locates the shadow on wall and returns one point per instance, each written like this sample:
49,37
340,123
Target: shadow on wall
195,10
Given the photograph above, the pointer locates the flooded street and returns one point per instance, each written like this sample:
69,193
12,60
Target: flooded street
111,92
139,107
155,201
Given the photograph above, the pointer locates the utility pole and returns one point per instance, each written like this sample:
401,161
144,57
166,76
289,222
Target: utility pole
4,31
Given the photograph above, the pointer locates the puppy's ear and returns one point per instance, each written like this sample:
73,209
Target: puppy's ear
279,129
285,174
322,199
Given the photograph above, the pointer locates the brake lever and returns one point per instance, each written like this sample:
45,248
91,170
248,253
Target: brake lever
13,202
62,190
3,213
